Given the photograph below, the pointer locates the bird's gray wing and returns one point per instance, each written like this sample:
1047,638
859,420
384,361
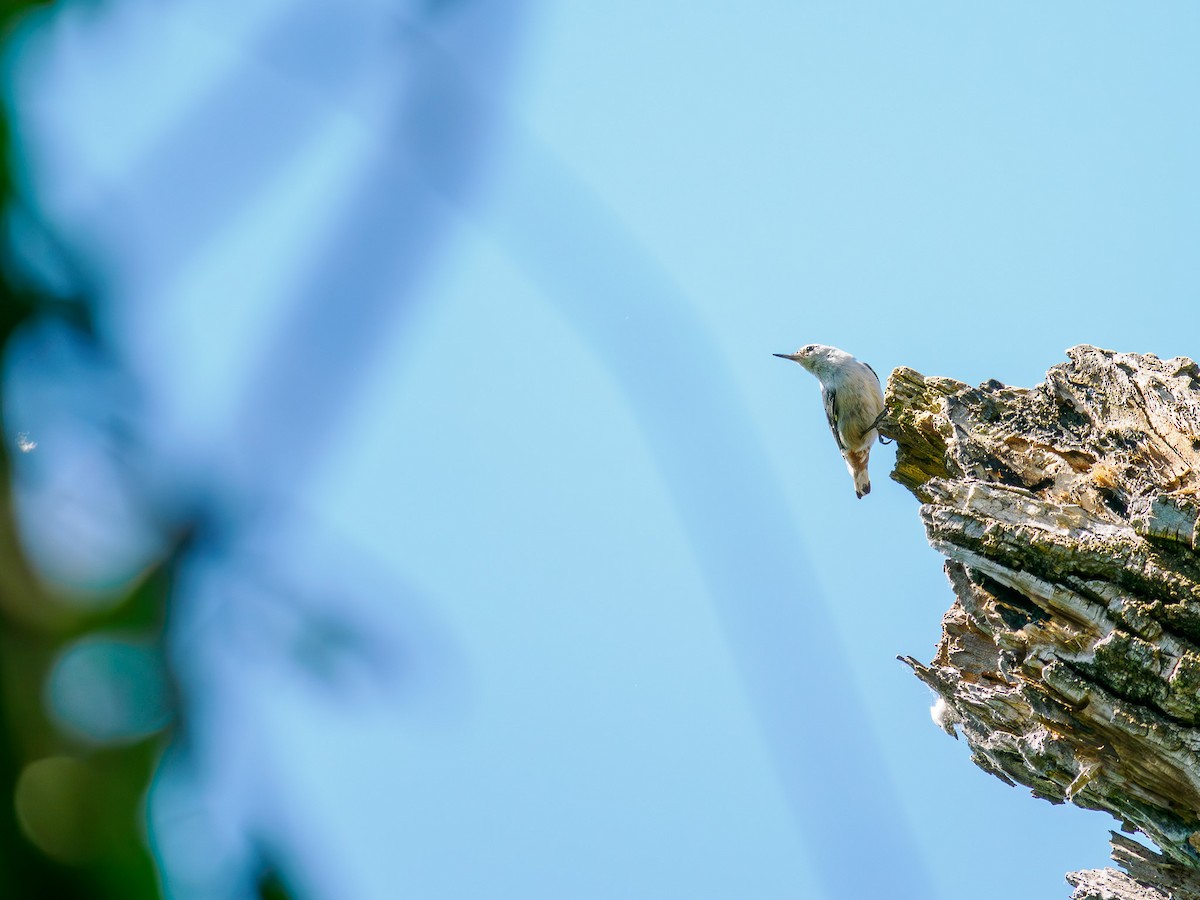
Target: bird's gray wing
831,413
873,372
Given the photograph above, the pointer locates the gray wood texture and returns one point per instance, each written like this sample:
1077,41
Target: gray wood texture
1070,660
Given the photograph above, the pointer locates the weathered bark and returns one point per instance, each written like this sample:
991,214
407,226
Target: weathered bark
1070,661
1151,876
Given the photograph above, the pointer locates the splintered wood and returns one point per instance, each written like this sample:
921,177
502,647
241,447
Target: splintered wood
1070,661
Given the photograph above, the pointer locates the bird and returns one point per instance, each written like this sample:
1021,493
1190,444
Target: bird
853,404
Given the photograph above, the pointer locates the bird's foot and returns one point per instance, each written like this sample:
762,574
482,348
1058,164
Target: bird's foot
874,425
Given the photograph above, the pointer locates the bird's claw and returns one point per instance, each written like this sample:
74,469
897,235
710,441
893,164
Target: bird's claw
874,425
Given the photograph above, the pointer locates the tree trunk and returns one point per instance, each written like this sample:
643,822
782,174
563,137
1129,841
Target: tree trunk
1070,661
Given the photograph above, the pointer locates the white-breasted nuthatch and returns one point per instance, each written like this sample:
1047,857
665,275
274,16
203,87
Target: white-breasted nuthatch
853,404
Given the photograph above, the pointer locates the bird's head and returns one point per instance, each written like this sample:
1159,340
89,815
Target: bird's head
814,357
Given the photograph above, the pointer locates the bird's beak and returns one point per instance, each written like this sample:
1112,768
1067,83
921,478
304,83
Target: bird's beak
792,356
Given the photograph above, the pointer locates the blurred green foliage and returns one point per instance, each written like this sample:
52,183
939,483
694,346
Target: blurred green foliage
71,812
71,823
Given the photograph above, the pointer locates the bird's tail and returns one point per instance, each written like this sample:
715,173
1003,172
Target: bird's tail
856,461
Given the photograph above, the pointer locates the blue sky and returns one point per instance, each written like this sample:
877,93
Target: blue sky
573,447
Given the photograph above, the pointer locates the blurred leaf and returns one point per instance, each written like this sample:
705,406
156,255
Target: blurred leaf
272,887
